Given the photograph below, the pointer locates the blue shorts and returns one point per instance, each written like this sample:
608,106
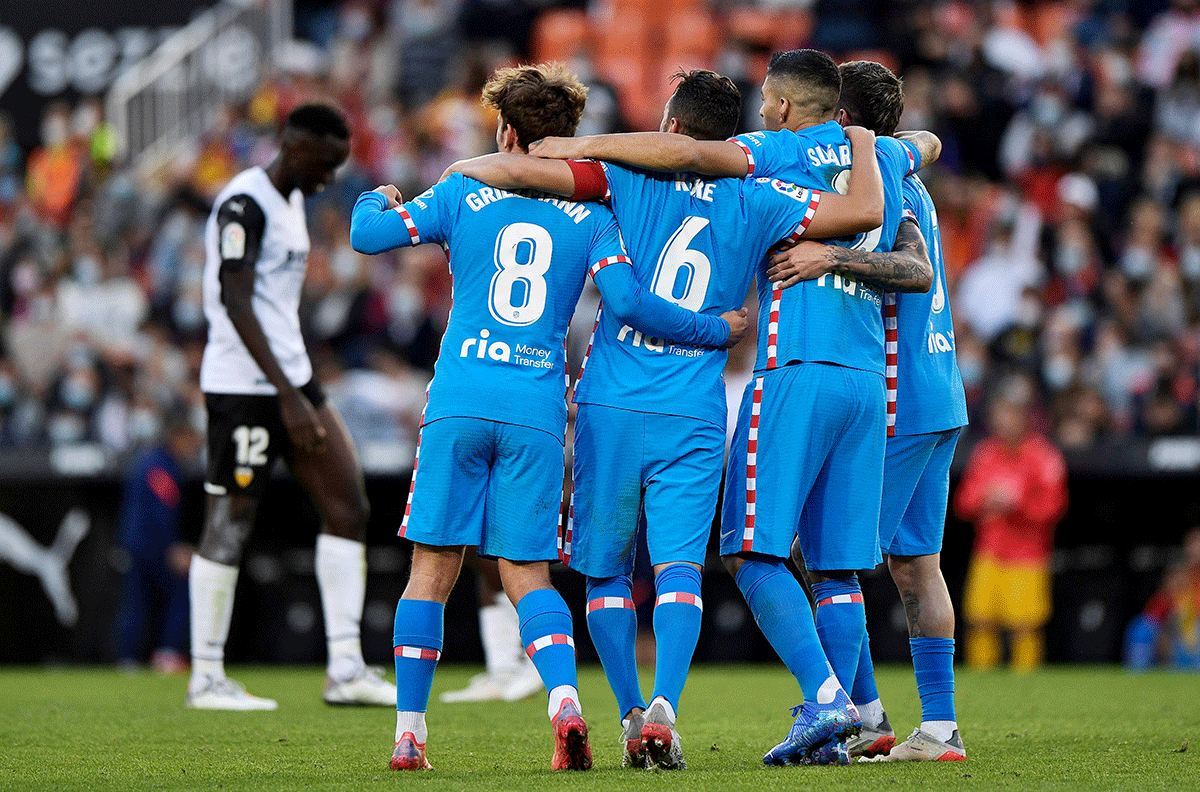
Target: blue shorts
493,485
916,488
806,461
629,465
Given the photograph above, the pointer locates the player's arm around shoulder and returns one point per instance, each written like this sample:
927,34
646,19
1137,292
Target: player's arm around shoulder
658,151
906,268
927,144
861,209
513,171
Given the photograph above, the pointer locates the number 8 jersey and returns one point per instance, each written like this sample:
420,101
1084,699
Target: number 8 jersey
515,261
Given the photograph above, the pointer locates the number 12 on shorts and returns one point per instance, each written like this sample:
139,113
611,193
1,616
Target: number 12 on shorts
252,442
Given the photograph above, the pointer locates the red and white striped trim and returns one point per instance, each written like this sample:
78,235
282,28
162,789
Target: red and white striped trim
679,598
841,599
564,535
773,326
588,353
408,222
912,161
749,155
604,262
418,653
908,215
752,466
600,603
412,482
813,201
549,640
891,339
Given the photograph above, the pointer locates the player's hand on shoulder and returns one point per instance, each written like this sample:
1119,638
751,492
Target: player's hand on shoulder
805,260
303,425
556,148
390,192
738,326
856,134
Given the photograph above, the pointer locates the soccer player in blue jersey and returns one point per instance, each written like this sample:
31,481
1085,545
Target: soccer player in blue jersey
492,431
814,416
926,413
650,432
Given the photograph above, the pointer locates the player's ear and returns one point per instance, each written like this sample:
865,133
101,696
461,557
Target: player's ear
785,109
674,126
842,117
510,139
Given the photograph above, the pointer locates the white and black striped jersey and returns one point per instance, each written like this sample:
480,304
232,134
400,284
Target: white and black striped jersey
253,226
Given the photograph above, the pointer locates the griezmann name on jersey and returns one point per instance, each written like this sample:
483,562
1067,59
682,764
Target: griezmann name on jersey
519,263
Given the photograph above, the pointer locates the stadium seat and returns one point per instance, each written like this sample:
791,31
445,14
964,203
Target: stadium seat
693,33
559,34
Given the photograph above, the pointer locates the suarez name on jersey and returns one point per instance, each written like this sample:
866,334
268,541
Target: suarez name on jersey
834,318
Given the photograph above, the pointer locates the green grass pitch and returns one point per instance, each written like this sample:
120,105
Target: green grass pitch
1063,729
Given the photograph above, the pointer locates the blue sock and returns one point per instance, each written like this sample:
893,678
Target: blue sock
841,624
864,691
782,612
547,635
417,638
933,662
677,613
612,622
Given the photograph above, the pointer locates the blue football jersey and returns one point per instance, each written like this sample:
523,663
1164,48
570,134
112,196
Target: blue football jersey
694,242
518,264
834,318
928,389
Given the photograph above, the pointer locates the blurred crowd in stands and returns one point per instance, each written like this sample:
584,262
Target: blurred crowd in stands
1068,194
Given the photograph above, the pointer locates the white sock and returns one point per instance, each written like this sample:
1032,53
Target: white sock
666,705
939,730
561,694
210,587
500,633
411,722
871,713
341,566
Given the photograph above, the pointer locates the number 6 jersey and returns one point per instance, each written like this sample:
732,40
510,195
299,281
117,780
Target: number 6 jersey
519,264
253,226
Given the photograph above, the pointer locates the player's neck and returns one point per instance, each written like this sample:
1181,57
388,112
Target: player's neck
804,122
278,178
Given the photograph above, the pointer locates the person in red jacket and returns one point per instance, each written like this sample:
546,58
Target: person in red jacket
1015,491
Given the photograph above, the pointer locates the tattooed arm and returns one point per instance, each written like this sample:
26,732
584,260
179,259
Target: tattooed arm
905,269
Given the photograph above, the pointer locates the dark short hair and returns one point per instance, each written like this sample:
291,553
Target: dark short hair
538,101
872,95
320,120
809,77
707,105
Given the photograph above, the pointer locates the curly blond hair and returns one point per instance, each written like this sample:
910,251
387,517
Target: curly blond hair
538,101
